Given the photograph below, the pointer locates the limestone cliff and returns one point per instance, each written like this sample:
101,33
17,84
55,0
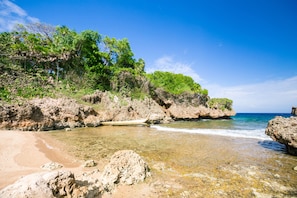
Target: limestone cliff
51,114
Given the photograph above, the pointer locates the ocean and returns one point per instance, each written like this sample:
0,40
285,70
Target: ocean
243,125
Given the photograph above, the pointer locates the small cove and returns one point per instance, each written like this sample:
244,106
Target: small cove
194,164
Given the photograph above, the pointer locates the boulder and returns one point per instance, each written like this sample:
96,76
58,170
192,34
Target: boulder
51,166
89,163
47,185
284,131
125,167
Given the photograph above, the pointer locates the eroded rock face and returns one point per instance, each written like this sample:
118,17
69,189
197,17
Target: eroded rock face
124,108
125,167
51,114
47,114
284,131
47,185
161,108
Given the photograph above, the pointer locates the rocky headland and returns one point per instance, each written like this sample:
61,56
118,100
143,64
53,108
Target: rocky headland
284,131
52,114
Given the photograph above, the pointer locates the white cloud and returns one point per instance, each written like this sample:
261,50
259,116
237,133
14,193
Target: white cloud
270,96
11,14
166,63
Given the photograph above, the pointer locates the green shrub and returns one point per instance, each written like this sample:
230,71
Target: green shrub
175,83
220,103
4,94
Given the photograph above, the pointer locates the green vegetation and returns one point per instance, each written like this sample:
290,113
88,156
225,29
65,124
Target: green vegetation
38,60
83,60
220,103
175,83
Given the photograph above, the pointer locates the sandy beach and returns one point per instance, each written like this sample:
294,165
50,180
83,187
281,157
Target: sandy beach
182,165
23,153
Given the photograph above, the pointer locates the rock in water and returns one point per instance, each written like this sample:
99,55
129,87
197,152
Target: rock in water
90,163
125,167
46,185
284,131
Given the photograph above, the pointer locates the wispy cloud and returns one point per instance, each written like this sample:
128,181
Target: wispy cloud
167,63
11,14
270,96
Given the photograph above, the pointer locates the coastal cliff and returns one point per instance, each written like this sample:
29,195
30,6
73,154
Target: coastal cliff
52,114
47,84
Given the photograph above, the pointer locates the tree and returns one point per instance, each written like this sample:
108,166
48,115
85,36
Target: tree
5,46
175,83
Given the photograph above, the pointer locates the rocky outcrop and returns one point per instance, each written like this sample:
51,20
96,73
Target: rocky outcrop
294,111
188,106
118,108
284,131
47,185
125,167
166,99
51,114
47,114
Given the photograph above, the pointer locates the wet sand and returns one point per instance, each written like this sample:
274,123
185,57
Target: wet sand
23,153
182,165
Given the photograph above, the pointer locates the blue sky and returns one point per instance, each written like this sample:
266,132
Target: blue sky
242,50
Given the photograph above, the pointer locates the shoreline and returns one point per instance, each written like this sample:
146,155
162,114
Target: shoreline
23,153
180,163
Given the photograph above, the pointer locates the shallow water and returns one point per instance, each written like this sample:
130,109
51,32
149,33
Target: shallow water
193,165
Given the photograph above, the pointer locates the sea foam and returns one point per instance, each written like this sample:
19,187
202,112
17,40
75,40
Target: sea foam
244,133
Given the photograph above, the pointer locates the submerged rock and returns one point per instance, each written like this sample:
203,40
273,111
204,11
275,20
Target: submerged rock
125,167
284,131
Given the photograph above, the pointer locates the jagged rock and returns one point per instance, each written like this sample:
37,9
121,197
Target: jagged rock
90,163
294,111
284,131
93,98
183,112
51,114
92,121
205,112
51,166
125,167
46,185
166,99
47,114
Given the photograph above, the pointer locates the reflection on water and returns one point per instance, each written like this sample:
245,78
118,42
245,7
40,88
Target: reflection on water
200,165
272,145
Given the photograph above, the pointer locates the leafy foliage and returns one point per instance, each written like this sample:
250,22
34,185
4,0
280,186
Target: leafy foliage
68,54
40,59
220,103
175,83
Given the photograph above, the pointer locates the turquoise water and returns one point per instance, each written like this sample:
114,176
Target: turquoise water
245,125
220,165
